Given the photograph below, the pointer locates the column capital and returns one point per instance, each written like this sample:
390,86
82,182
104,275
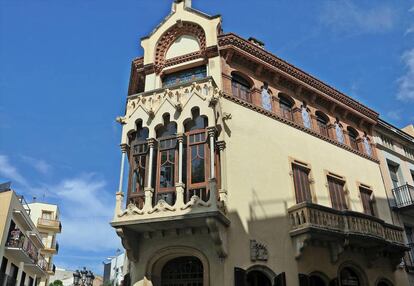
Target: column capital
180,137
151,142
124,147
211,131
221,145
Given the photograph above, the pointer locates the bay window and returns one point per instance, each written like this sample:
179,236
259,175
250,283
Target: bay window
184,76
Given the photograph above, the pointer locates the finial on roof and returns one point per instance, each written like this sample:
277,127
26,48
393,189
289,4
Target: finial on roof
187,3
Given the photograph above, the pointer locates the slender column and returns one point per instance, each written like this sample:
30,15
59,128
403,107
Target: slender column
211,135
149,190
223,176
179,186
124,148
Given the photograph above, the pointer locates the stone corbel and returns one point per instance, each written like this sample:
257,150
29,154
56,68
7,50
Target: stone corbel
129,242
195,201
335,250
299,243
118,204
219,236
131,210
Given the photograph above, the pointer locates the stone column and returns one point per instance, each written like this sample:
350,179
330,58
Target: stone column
179,186
149,190
275,105
211,135
120,193
297,115
223,176
20,271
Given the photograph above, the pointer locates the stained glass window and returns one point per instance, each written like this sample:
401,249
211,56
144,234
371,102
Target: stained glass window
184,76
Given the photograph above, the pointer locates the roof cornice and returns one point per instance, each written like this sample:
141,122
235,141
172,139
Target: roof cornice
231,39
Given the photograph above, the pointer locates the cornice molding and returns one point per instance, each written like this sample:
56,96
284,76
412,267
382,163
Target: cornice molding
230,40
295,125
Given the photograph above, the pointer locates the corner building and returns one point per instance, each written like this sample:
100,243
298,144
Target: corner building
244,170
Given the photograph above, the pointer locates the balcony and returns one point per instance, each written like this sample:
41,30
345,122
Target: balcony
404,199
51,247
409,258
52,269
311,223
21,247
39,266
49,224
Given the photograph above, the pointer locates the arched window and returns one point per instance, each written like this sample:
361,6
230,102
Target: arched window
138,161
167,161
185,271
266,97
197,163
286,105
367,145
305,116
240,87
257,278
384,282
322,121
316,280
349,277
353,137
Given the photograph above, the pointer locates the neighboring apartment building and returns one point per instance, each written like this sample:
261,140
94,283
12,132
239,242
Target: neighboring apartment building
66,276
46,218
396,154
245,170
113,270
21,247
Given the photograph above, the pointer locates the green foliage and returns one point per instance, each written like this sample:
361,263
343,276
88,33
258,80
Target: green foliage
56,283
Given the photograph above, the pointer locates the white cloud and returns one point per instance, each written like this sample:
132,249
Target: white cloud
345,16
406,82
39,165
9,172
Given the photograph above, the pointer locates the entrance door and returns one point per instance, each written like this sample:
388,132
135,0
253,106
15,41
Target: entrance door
257,278
182,271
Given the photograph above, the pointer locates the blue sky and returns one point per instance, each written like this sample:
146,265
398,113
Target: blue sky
64,70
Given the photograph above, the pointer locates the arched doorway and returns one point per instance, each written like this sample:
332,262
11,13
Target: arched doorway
183,271
316,280
349,277
257,278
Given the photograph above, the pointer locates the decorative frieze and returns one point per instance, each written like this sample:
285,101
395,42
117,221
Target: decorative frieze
258,251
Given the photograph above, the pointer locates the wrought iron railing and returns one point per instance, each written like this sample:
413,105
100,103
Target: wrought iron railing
403,196
18,240
409,258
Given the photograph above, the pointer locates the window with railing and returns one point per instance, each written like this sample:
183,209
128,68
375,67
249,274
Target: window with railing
184,76
337,193
240,87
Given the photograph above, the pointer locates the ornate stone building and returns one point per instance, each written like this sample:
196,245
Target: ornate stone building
245,170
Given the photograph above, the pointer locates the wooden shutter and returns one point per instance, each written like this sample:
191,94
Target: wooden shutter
336,190
239,277
366,201
393,173
280,280
304,280
302,185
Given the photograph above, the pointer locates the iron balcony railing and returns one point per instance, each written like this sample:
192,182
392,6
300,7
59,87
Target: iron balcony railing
409,258
403,196
7,280
49,223
18,240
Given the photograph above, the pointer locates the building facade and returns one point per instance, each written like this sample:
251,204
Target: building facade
46,218
21,246
114,270
245,170
396,155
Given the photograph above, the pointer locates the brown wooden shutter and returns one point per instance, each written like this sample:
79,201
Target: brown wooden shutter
366,201
336,190
302,185
280,280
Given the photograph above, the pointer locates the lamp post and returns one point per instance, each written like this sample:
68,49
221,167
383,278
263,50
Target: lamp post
83,277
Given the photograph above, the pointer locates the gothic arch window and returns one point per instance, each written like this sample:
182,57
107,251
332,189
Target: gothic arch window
138,161
353,137
322,121
197,159
241,86
184,271
167,161
286,104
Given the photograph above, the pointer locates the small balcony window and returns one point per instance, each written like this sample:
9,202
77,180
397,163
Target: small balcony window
367,201
322,122
184,76
353,137
286,106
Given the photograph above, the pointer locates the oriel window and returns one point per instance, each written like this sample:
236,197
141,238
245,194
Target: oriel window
184,76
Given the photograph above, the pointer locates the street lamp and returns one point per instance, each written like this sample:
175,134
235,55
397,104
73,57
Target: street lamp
83,277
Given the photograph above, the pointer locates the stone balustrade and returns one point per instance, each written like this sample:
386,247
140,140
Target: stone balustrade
312,217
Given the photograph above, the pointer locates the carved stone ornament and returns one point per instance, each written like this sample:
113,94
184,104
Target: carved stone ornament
161,206
258,251
131,210
195,201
